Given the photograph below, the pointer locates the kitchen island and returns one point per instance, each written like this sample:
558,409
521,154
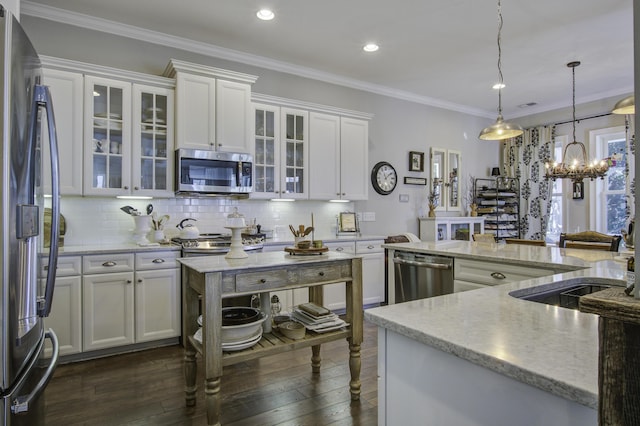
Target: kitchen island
484,357
207,280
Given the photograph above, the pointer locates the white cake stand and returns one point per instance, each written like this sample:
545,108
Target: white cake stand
236,250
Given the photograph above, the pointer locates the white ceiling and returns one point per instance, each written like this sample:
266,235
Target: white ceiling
442,53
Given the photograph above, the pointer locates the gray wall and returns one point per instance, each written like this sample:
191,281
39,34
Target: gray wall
397,128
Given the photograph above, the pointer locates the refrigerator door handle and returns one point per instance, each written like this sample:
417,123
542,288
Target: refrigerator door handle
21,403
42,98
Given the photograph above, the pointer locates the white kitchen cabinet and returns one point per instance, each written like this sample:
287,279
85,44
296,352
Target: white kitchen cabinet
446,174
157,296
266,154
67,94
338,157
107,146
66,310
213,107
450,228
108,310
372,271
294,154
152,141
470,274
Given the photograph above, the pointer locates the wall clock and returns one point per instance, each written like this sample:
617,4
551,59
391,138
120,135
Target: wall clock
384,178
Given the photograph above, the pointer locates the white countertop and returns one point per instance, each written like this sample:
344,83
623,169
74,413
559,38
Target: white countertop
204,264
552,348
112,248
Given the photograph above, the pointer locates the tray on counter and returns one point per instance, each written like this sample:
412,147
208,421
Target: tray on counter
294,251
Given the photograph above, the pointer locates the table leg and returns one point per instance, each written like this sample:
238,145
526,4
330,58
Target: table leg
212,400
190,370
355,363
315,359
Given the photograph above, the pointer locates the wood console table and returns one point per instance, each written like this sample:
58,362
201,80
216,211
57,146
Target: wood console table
207,280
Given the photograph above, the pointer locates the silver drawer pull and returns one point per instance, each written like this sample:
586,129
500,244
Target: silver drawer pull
158,260
339,249
498,275
109,264
370,247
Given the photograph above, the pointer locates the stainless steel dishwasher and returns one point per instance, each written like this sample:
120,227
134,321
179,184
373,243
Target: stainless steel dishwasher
418,276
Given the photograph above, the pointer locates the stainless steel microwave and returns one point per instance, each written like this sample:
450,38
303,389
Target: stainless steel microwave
203,172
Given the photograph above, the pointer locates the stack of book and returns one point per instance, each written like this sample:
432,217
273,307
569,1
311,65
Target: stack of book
317,318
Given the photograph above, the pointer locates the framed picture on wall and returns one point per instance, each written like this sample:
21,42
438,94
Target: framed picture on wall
416,161
578,190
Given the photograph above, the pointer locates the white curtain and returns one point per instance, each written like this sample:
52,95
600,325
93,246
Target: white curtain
524,158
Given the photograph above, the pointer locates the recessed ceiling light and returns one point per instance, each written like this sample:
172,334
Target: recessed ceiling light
265,14
370,47
498,86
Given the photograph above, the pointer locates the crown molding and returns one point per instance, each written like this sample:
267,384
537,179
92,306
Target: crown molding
294,103
111,27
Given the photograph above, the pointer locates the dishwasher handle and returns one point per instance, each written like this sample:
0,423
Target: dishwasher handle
430,265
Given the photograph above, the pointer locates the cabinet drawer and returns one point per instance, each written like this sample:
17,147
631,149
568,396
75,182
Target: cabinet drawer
67,266
261,281
373,246
157,260
491,273
106,263
347,247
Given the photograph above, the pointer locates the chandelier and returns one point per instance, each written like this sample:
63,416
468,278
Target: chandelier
500,129
574,164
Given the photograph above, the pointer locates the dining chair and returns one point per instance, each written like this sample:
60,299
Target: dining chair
525,242
484,238
590,240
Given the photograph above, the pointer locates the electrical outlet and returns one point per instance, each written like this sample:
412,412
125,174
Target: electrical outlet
369,216
404,198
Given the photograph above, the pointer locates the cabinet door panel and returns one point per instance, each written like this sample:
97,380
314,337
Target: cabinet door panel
324,155
233,111
266,156
196,111
66,91
66,315
295,154
354,158
157,304
108,310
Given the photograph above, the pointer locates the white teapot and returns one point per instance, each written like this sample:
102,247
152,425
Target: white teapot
188,231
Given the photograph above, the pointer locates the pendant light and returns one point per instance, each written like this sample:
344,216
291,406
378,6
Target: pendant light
625,106
575,167
500,129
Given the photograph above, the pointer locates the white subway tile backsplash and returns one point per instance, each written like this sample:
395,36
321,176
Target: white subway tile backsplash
95,220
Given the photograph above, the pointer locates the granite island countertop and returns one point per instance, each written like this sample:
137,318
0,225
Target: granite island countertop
552,348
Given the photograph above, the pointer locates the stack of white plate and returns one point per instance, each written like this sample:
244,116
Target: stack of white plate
319,324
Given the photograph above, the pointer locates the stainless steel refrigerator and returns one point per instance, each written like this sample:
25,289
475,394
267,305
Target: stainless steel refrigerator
26,292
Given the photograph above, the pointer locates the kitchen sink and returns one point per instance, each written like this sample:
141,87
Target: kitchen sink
567,296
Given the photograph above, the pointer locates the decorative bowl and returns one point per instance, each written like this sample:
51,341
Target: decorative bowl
292,330
305,244
242,332
237,315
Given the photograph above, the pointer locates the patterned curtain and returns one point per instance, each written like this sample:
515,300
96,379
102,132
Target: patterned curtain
524,158
629,170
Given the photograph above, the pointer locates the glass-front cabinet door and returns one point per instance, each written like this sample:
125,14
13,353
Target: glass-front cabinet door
295,153
107,150
445,178
266,159
152,144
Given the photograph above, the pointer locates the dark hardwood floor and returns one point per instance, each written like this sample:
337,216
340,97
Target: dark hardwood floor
147,388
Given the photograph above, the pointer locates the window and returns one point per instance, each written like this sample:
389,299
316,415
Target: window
554,226
608,214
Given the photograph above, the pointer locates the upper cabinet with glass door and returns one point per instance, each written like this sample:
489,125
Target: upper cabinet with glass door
295,154
152,145
107,144
445,178
266,158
